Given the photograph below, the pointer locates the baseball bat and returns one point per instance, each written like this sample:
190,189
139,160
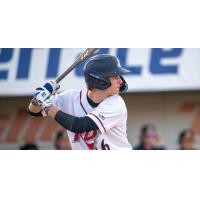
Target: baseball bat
81,58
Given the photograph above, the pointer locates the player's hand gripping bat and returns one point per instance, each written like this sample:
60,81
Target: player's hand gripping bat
81,58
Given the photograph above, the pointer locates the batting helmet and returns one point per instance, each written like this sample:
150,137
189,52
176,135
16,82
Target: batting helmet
98,68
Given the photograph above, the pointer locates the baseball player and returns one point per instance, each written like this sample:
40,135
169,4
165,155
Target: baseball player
95,118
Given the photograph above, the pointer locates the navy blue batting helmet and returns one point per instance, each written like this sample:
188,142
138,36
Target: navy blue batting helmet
98,68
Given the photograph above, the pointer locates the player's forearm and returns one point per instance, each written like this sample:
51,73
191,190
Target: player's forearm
34,110
51,111
37,111
75,124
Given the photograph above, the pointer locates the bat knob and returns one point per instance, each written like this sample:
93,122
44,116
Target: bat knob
35,102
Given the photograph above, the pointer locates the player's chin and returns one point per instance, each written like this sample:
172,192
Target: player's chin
116,91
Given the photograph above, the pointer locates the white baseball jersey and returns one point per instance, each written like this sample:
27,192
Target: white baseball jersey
110,116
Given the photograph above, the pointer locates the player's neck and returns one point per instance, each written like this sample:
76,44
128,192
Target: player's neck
97,95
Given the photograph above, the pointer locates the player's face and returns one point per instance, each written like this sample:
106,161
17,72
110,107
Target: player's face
116,82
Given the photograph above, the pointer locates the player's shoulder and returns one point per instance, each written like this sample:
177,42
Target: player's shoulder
114,102
69,92
114,99
67,95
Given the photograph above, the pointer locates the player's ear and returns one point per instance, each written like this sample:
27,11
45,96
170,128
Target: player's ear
124,85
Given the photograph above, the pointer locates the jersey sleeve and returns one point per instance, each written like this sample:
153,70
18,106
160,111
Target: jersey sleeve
109,113
57,100
62,100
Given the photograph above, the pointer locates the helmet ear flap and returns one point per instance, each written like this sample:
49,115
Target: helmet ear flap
124,85
98,82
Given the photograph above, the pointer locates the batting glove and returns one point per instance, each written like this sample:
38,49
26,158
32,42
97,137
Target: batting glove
51,86
48,89
45,106
41,94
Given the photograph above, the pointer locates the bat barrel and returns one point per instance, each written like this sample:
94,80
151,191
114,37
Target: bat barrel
80,59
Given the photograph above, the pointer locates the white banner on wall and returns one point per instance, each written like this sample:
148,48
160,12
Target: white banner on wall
22,70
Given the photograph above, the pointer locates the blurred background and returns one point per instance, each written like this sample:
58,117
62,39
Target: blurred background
163,99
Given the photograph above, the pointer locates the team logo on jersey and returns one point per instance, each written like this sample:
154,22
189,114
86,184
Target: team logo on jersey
87,137
101,116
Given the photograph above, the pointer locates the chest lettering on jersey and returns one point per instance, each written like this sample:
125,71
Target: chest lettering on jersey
87,137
